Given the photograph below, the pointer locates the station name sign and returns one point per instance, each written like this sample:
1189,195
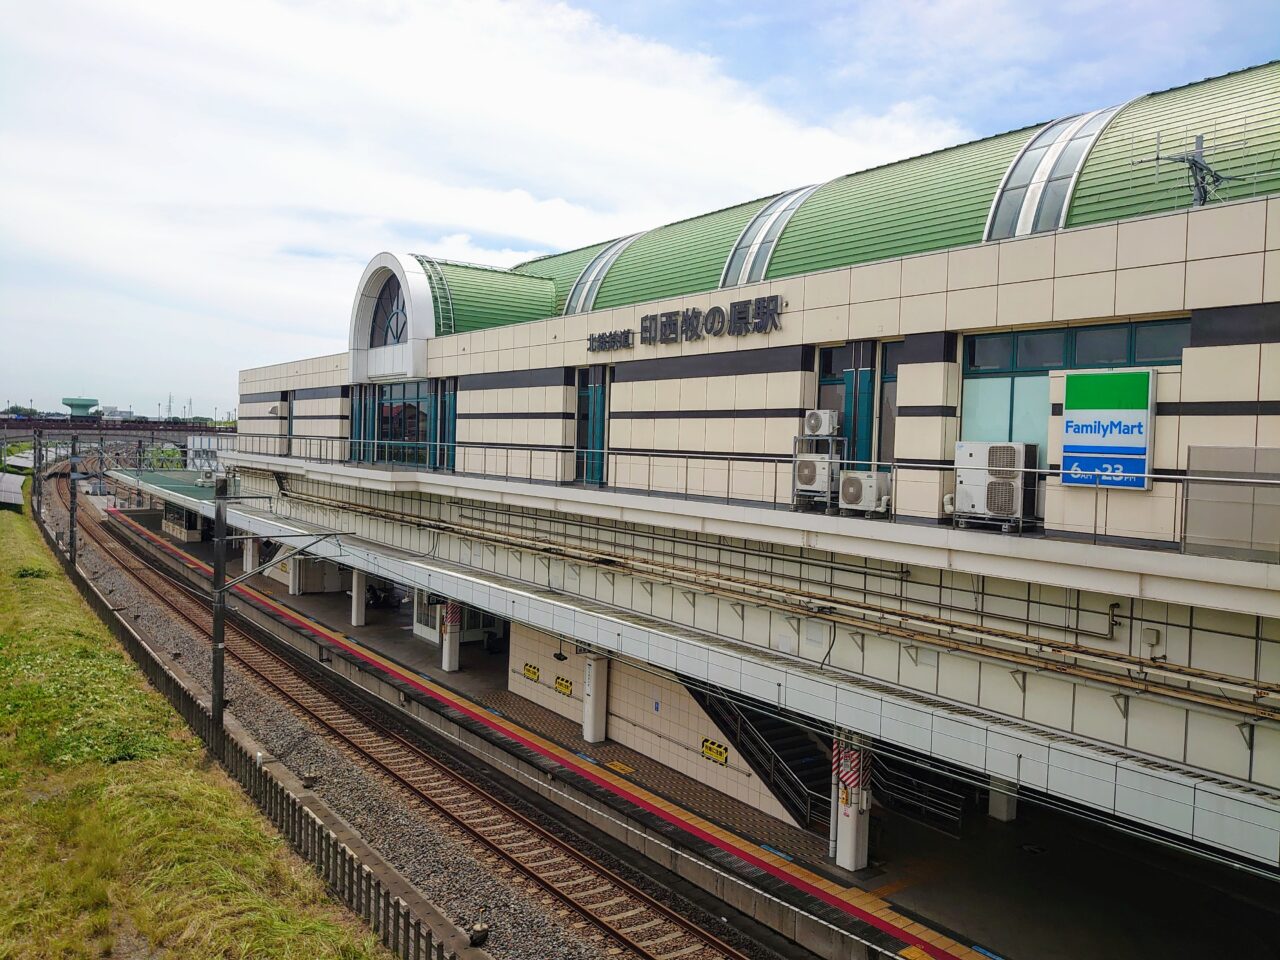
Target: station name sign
1107,424
742,318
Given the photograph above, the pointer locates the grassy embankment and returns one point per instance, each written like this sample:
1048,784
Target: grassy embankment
116,837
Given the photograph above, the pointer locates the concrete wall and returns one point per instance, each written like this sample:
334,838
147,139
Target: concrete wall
649,712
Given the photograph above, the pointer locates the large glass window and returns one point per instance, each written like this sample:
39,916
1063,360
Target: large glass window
1006,381
390,320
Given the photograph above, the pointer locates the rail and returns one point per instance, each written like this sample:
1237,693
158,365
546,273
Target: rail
346,875
1210,513
635,920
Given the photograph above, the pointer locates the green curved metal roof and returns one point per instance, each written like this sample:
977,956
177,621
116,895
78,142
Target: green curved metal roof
680,258
562,268
1240,108
468,297
926,203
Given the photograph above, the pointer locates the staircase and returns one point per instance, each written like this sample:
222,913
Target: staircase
793,762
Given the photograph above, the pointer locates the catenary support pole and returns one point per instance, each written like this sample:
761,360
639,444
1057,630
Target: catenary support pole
73,465
219,605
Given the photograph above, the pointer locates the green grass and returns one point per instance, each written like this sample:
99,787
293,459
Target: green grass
116,836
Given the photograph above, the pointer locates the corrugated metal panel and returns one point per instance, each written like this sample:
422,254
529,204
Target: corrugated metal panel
1243,106
562,268
680,258
926,203
484,297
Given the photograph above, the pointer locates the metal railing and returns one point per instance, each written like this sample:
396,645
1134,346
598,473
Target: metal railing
347,878
918,492
810,808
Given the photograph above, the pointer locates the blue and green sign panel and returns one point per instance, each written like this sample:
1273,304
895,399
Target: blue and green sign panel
1108,425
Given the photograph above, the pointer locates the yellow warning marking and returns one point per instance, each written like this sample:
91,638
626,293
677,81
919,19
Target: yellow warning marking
620,766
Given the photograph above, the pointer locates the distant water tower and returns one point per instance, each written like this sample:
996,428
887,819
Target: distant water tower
80,406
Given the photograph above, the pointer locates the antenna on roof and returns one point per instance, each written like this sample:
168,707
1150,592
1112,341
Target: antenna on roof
1203,180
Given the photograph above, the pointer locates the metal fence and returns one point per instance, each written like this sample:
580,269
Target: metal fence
347,878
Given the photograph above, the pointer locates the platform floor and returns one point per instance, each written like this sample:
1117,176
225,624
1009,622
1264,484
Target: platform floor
1048,885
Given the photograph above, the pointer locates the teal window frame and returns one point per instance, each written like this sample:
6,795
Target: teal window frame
1068,359
890,357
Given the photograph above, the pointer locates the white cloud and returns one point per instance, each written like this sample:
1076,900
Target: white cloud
190,190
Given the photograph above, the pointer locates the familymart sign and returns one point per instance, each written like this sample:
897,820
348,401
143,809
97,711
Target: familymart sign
1108,426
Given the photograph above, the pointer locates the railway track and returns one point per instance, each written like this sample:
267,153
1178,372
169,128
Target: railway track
628,916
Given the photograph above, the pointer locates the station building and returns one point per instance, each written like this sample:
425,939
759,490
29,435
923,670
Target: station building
962,467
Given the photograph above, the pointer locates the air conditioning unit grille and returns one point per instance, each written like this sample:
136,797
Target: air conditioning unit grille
1002,462
851,489
1002,498
806,472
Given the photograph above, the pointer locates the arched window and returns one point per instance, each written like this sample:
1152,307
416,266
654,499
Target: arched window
390,320
1035,192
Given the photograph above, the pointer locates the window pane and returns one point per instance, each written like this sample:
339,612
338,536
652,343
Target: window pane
1051,201
834,361
831,397
1069,159
1052,132
888,420
1006,218
1094,125
989,353
984,412
892,356
1102,346
1031,415
1160,342
1039,350
1021,174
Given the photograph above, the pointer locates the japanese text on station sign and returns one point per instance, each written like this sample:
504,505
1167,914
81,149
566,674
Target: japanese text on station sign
743,317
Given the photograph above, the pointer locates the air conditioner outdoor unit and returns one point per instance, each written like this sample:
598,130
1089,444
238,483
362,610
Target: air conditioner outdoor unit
205,479
814,474
863,490
820,423
995,481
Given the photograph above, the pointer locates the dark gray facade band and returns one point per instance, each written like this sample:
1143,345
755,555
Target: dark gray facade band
524,415
761,413
1229,326
509,379
926,411
271,396
733,363
929,348
1206,408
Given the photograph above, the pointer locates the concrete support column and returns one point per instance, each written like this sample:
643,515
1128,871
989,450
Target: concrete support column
359,581
450,637
1002,800
295,575
852,803
595,698
250,555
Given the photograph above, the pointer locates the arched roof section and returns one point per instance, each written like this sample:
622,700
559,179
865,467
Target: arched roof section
680,258
1237,114
926,203
562,269
749,258
468,297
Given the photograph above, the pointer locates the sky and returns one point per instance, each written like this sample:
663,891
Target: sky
191,189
